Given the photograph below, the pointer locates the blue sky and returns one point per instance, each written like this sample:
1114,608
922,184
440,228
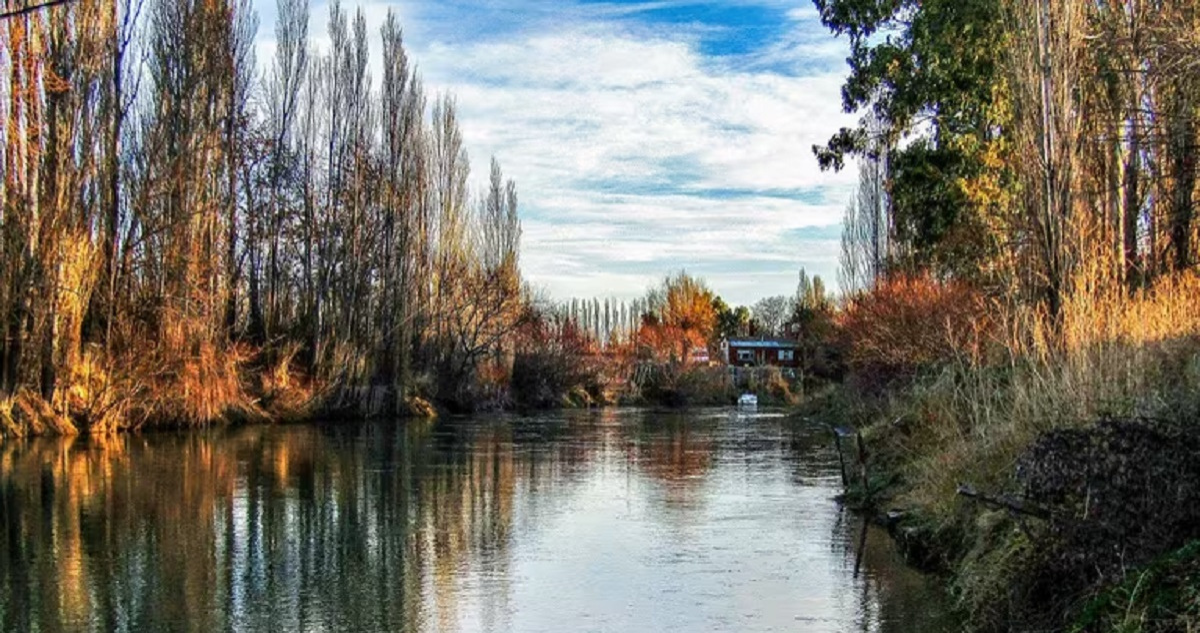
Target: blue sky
644,136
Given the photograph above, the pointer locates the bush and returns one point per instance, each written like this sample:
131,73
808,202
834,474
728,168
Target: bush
1121,493
541,379
1165,596
907,324
549,377
704,385
674,385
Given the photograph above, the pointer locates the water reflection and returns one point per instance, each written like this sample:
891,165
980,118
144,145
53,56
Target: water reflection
612,520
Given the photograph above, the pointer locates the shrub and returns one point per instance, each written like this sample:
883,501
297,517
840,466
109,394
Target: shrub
676,385
909,323
543,378
555,365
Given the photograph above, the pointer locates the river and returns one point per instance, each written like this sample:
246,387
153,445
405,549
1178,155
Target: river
609,520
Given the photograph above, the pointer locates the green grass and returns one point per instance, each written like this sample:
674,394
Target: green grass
1164,596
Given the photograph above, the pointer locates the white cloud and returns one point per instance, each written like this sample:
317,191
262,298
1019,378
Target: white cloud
635,153
804,13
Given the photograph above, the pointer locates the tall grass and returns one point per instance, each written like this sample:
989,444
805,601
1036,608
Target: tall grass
1111,353
164,385
998,382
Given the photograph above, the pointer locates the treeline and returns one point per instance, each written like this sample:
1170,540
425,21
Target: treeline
607,321
663,347
781,315
683,302
172,214
1041,146
1021,258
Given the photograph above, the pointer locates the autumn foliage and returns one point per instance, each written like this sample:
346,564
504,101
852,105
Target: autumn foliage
555,363
910,322
682,317
187,239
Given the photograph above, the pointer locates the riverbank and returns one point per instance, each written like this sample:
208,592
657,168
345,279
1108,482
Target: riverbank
103,397
1052,477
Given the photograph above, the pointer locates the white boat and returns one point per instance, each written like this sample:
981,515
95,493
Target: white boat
748,400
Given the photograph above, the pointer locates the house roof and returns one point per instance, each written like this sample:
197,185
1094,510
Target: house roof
762,342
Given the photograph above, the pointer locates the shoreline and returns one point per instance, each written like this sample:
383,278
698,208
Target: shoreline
301,400
1007,545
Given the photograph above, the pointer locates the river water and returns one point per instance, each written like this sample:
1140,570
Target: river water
611,520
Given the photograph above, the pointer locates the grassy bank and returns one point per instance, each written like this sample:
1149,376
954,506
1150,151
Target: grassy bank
1066,428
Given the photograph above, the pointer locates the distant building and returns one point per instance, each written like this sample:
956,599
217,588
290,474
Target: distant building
698,355
760,350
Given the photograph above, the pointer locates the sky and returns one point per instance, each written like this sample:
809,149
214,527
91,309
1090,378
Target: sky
645,137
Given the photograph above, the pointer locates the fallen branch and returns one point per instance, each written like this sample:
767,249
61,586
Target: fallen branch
1015,505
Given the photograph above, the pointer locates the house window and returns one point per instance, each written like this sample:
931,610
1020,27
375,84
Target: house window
787,354
745,355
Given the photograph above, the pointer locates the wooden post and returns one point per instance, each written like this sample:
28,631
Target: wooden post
837,440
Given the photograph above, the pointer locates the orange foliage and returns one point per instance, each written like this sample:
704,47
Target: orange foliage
910,322
689,306
684,319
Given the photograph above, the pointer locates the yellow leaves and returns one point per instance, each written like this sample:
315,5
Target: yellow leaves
689,305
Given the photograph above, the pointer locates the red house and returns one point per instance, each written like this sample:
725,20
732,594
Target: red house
760,350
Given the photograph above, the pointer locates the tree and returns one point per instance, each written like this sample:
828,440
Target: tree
938,66
162,206
878,231
731,322
811,321
1046,73
1052,140
680,316
810,293
286,78
770,315
867,231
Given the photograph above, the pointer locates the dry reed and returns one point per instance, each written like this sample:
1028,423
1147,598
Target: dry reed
1111,353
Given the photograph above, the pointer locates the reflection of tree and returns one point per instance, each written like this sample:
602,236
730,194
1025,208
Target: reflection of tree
891,594
469,514
678,455
378,527
193,531
811,454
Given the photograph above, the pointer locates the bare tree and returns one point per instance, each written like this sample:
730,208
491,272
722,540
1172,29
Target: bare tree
770,314
333,220
867,232
1045,71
